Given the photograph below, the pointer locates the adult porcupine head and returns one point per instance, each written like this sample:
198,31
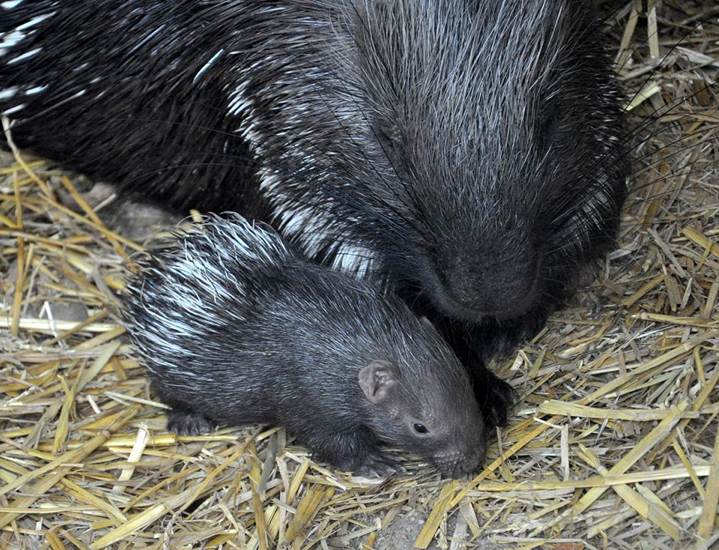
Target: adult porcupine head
469,152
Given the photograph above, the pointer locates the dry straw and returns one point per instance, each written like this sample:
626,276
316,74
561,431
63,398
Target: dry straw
614,443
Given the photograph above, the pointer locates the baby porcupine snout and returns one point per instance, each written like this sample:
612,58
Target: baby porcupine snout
461,444
465,459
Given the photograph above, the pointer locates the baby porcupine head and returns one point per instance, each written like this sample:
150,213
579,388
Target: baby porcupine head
426,400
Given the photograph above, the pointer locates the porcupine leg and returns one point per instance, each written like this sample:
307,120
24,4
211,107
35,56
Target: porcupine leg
498,340
356,451
494,396
502,340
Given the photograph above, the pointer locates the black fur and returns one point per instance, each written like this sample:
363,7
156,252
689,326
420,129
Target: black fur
234,328
467,152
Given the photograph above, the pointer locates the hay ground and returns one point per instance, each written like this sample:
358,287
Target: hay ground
614,444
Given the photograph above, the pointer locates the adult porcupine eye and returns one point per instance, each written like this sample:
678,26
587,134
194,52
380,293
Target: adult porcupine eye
235,328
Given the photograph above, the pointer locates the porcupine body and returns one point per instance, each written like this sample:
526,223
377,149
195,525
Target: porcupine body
467,153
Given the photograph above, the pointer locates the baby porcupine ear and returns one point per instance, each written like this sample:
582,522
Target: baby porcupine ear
377,379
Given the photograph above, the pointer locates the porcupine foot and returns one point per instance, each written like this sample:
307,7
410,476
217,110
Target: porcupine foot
184,422
355,451
494,396
378,465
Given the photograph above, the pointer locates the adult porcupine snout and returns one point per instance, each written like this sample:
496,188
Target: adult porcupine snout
497,281
505,155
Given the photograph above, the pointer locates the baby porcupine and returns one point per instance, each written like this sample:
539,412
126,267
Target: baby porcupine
234,327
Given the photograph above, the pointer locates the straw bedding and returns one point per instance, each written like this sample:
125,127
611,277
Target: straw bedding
614,443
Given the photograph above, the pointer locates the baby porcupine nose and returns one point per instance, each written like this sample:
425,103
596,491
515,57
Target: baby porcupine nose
500,283
466,459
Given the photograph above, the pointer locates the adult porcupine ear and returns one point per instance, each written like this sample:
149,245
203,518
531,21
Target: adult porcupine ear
377,380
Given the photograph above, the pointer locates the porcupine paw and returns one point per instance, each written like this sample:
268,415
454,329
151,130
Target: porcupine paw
188,423
495,397
377,465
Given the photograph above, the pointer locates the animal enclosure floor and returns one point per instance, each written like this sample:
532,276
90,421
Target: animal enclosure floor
613,445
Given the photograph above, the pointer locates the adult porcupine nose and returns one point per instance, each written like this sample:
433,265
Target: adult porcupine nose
498,282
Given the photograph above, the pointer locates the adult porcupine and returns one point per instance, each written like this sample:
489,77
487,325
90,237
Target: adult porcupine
467,151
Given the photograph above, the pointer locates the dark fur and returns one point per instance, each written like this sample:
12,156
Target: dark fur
236,329
467,152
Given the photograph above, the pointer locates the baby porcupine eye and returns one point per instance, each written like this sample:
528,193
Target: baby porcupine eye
420,428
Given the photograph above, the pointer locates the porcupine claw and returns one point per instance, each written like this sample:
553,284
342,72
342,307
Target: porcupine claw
188,423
